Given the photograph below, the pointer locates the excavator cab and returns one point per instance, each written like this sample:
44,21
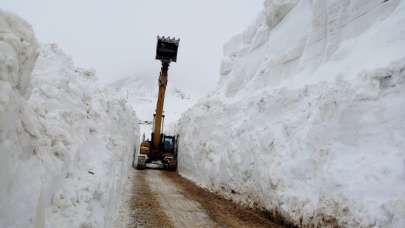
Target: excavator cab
161,148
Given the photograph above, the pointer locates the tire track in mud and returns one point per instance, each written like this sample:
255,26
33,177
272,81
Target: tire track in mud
182,211
164,199
145,206
221,210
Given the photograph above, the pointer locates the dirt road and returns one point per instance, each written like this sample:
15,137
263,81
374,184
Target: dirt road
163,199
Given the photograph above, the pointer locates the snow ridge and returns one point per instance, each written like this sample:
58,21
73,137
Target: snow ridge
65,145
308,121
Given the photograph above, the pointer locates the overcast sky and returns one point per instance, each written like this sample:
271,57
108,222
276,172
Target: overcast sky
118,38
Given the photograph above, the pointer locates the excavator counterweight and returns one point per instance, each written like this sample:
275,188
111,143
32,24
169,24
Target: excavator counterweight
161,147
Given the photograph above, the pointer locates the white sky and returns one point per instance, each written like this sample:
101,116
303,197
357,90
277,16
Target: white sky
118,38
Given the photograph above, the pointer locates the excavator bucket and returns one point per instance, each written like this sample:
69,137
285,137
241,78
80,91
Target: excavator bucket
166,49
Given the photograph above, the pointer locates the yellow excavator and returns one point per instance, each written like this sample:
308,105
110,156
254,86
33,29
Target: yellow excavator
161,148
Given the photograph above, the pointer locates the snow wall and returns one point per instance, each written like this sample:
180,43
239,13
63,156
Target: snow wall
65,145
308,120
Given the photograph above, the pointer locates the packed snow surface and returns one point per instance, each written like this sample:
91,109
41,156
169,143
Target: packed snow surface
308,120
65,145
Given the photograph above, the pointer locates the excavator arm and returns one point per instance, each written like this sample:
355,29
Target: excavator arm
159,148
166,52
159,105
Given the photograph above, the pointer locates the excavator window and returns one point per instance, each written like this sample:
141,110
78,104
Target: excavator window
168,143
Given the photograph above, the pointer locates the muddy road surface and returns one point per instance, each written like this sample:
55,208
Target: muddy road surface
156,198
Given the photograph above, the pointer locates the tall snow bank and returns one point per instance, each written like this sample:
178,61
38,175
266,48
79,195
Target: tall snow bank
65,150
308,120
18,165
